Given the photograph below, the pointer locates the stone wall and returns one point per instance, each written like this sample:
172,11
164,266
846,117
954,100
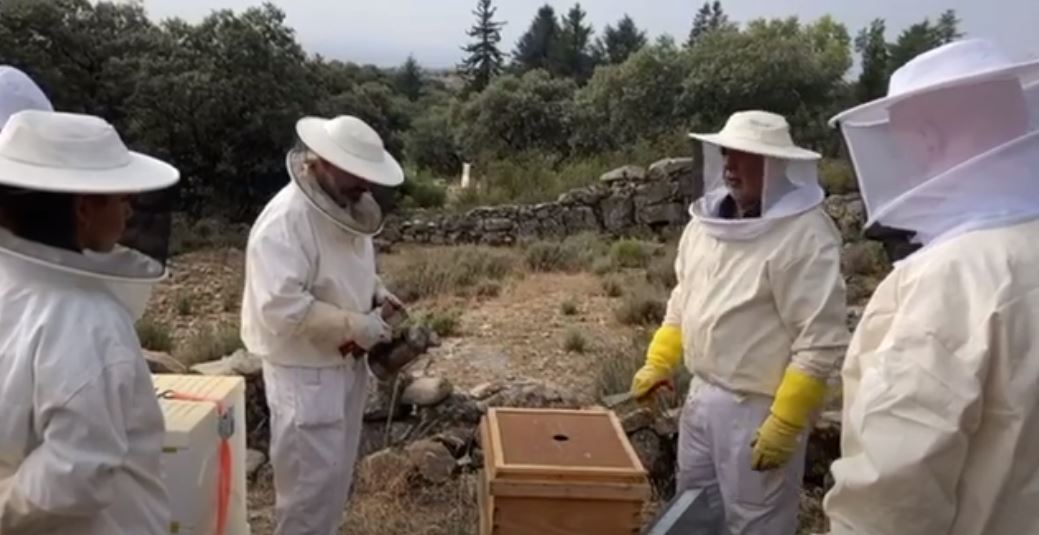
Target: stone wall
629,201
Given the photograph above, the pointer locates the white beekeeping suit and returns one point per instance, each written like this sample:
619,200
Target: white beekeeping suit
81,431
18,92
941,380
311,292
758,318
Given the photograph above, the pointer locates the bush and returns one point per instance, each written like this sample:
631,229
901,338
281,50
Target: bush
421,191
184,304
575,342
661,270
488,289
628,253
444,323
577,252
447,270
153,335
210,343
613,287
569,307
642,306
837,177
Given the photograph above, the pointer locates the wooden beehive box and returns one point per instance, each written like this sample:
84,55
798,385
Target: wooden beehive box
559,471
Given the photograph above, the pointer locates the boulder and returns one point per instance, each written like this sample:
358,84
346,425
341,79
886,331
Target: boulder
617,212
670,214
670,168
456,409
498,224
485,390
254,460
159,362
533,395
579,219
388,468
628,172
431,460
426,391
655,193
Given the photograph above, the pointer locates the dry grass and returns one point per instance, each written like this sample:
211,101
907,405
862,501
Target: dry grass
443,322
613,286
661,269
185,305
629,253
575,341
209,343
569,307
447,270
388,507
488,289
579,252
154,336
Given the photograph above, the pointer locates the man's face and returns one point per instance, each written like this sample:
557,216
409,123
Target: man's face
343,187
101,220
744,176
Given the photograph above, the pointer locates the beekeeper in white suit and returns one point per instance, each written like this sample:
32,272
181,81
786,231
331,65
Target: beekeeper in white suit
81,429
18,92
759,317
311,292
941,382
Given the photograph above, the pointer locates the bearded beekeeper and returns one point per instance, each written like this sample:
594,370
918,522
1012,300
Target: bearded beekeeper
311,292
81,431
941,381
758,316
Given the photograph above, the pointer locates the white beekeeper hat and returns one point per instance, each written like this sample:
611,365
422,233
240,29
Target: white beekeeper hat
18,92
351,145
758,132
925,186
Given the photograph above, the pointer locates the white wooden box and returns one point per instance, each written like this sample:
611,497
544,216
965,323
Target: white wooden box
191,459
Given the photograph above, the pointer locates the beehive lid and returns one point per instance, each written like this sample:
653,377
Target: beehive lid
561,443
183,419
207,386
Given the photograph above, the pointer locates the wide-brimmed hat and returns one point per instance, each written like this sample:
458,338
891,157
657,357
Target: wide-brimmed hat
72,153
965,62
351,145
18,92
758,132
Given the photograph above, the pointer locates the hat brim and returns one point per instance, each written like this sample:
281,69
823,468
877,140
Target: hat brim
142,174
754,147
388,172
876,110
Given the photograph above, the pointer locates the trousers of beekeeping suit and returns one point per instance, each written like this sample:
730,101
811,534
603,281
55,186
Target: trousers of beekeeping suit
311,292
81,430
758,318
941,380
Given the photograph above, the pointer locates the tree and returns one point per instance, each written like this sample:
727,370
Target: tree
575,54
518,114
618,44
710,18
538,48
876,57
924,36
429,143
947,28
409,80
485,59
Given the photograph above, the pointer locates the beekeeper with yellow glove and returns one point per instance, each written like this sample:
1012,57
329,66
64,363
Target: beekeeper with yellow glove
80,426
941,382
311,292
758,317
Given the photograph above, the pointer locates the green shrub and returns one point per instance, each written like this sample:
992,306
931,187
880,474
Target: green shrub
185,304
628,253
837,176
444,323
569,307
578,252
613,287
421,191
644,305
153,335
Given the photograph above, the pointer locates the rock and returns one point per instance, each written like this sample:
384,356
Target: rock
373,435
485,390
864,257
533,395
254,460
426,391
628,172
458,440
672,214
637,420
432,460
241,362
848,213
382,469
655,193
457,409
617,212
580,219
498,224
159,362
671,167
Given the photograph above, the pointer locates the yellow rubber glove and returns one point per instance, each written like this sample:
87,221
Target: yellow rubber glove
799,395
662,357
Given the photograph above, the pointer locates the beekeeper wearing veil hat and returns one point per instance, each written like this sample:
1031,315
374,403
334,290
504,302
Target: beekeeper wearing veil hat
81,430
758,318
310,292
941,381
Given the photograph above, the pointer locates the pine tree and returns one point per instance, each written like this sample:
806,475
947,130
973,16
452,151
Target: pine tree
409,79
484,60
870,44
924,36
711,17
538,48
619,43
575,54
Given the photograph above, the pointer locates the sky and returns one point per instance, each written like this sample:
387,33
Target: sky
384,32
